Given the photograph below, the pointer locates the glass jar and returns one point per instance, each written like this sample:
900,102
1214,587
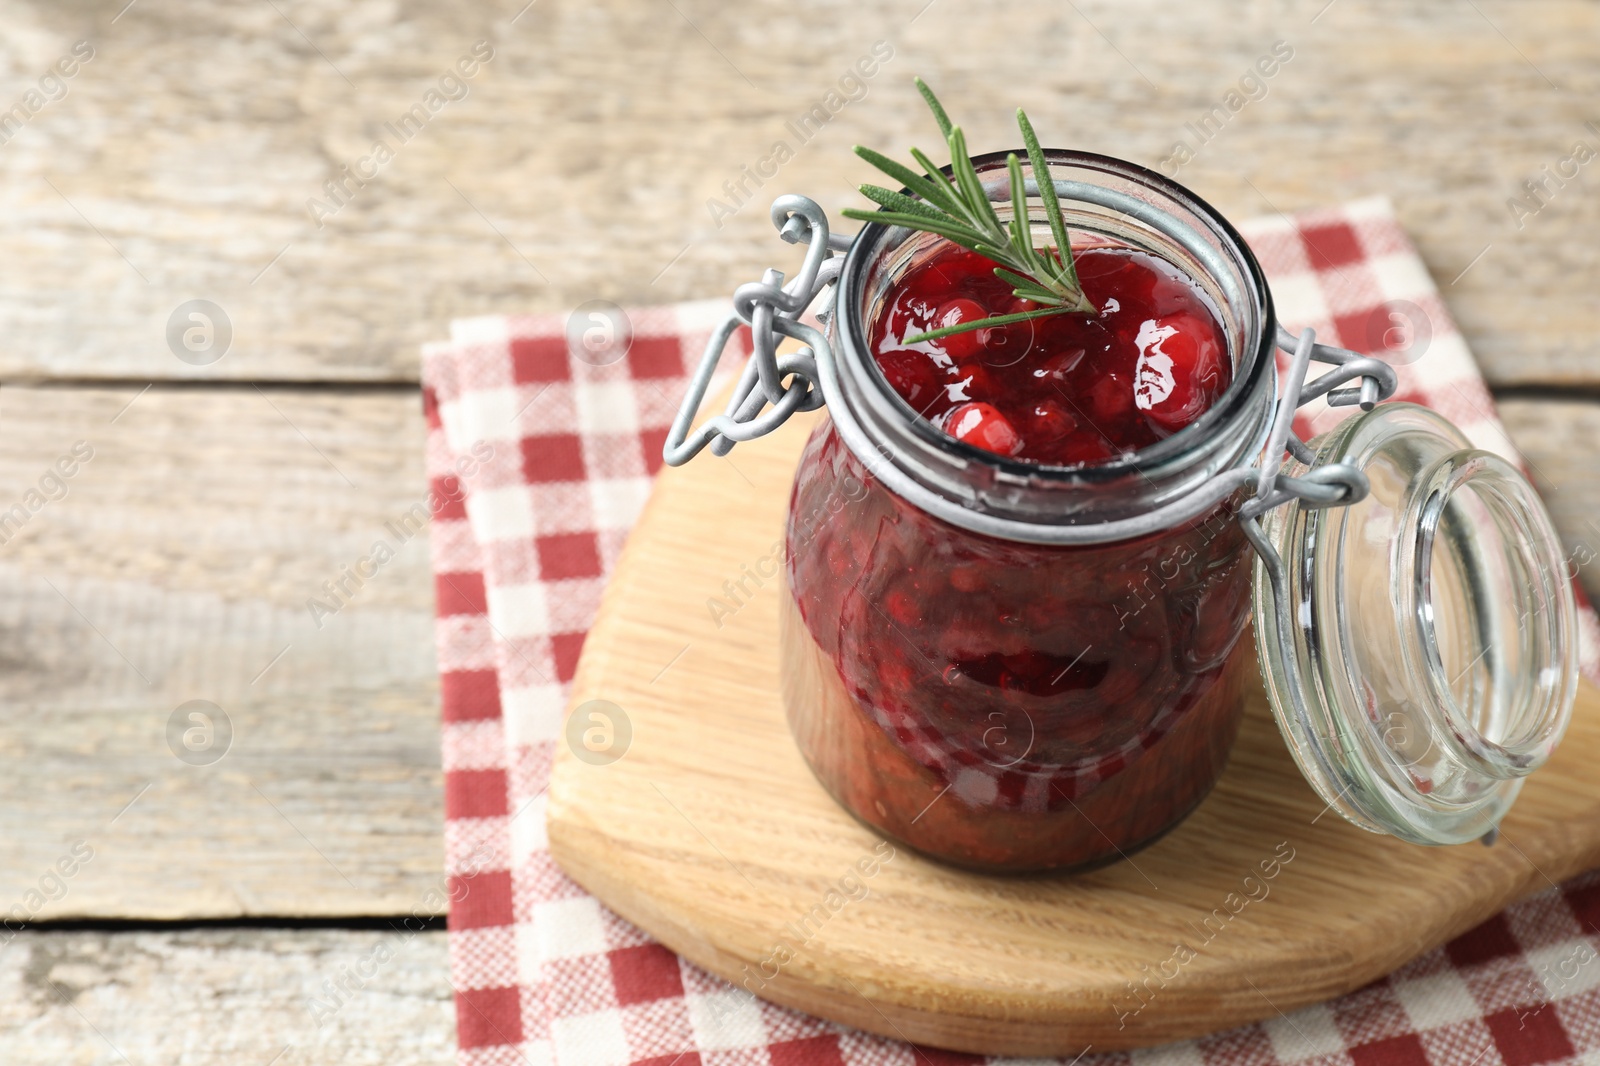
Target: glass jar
1013,667
989,697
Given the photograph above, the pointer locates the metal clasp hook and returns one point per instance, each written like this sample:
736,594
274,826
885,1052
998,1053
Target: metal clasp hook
772,311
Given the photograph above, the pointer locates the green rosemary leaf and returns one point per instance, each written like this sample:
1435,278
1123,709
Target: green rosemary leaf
897,201
1041,170
1026,287
935,172
1061,264
973,198
954,232
1021,224
1043,299
918,184
937,108
1000,253
939,179
985,323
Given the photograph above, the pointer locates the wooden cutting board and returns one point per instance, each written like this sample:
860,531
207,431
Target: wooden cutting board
711,833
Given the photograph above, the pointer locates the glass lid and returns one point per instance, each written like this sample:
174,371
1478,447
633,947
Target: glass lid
1420,657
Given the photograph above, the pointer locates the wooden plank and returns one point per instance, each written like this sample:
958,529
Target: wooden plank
227,996
1558,439
712,800
581,163
177,567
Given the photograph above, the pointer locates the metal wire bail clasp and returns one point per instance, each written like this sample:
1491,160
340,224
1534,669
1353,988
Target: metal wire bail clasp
772,310
1324,485
1330,484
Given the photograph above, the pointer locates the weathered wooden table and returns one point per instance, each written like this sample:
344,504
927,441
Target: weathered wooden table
188,156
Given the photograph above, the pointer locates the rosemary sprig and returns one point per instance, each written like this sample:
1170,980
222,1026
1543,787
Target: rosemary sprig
956,208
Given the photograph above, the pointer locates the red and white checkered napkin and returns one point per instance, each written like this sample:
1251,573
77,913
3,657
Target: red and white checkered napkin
542,463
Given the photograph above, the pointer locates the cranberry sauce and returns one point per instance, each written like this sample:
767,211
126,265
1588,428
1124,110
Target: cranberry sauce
1062,389
1009,706
999,705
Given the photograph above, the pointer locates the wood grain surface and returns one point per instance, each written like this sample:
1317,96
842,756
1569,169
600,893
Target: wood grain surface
580,162
179,163
220,997
712,801
177,567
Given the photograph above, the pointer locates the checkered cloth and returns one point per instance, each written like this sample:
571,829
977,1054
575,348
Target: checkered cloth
540,464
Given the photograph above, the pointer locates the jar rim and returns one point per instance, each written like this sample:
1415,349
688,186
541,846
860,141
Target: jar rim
1257,360
1507,501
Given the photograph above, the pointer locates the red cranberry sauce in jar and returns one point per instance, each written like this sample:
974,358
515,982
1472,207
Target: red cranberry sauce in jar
1062,389
1009,706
